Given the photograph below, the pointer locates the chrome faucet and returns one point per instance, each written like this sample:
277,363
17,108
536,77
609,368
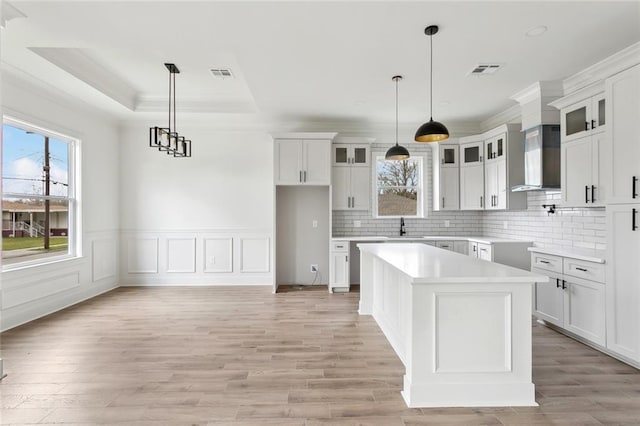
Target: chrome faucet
402,231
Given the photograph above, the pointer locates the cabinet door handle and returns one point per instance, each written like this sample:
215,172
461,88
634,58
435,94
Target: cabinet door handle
586,193
481,158
634,181
544,261
593,124
564,285
475,248
353,202
300,178
305,175
581,269
443,161
481,202
593,193
586,125
557,282
443,202
634,212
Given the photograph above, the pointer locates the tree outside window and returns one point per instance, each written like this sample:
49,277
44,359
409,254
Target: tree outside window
399,187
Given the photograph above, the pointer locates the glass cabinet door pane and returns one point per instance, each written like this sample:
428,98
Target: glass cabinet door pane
500,144
601,105
341,155
490,150
449,156
472,154
575,121
360,155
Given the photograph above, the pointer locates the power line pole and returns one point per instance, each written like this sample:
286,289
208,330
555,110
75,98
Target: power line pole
47,184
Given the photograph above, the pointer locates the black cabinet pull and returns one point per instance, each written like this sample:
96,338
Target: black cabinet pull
581,269
593,196
586,125
557,282
593,124
544,261
300,179
586,193
634,212
634,180
564,285
481,202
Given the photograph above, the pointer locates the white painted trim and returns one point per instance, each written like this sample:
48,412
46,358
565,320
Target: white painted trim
94,276
305,135
242,260
128,254
538,90
580,95
619,61
511,114
192,268
204,254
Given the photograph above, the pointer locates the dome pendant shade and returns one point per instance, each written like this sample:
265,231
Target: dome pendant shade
397,152
432,131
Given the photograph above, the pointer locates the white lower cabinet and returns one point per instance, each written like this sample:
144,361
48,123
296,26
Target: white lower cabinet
339,268
569,300
481,251
623,286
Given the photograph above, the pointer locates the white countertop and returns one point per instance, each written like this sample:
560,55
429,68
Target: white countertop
597,256
479,239
426,264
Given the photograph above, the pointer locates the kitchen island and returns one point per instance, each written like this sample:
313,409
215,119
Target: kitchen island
461,326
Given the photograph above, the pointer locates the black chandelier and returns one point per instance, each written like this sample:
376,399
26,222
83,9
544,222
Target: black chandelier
165,138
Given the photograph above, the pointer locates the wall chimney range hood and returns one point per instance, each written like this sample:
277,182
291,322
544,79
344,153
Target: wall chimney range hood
541,159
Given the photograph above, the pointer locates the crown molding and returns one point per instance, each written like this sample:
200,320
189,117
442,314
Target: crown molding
145,103
538,90
579,95
8,13
620,61
513,114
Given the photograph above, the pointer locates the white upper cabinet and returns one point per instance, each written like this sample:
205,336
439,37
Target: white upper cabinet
584,117
351,176
350,155
472,175
489,165
623,134
302,160
584,148
446,169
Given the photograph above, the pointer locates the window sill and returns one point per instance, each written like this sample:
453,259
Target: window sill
40,263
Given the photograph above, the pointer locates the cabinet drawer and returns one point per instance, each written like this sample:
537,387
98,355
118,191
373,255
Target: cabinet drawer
548,262
583,269
338,246
447,245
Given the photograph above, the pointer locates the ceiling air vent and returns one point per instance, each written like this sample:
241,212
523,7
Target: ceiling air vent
485,69
221,73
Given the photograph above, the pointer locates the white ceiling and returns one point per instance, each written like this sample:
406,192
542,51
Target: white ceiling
309,61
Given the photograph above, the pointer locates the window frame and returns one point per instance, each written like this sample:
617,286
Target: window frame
74,239
421,211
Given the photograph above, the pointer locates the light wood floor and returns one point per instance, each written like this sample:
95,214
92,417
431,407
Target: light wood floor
242,356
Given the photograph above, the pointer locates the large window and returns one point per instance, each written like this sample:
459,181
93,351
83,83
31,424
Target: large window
399,187
38,195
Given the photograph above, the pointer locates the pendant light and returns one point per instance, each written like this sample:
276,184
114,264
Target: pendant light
397,152
431,131
166,139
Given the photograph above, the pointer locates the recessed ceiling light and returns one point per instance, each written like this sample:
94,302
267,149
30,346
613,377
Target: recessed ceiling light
536,31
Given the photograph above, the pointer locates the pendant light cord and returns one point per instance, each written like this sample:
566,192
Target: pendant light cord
431,78
169,101
397,110
174,102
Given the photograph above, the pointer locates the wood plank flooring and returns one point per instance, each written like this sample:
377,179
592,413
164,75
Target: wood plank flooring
242,356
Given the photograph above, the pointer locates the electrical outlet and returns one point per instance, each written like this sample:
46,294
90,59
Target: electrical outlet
357,224
314,267
447,224
314,223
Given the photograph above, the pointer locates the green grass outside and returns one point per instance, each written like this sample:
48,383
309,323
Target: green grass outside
55,243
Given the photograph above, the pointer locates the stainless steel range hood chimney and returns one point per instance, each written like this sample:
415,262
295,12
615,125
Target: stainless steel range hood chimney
540,123
541,159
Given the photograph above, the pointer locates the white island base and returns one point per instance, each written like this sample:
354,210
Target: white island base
461,326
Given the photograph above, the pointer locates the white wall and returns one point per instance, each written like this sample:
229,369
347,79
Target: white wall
33,292
202,220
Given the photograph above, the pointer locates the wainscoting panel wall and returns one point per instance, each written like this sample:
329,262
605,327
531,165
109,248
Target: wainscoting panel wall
103,259
202,257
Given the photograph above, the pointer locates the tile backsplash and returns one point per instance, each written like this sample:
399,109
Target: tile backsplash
567,227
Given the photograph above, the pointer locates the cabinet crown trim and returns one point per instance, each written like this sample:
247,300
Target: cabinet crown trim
305,135
580,95
353,140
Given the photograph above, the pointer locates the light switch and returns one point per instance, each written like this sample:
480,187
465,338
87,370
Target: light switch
447,224
314,223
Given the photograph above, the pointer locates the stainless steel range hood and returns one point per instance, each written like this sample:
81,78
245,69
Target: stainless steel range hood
541,159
